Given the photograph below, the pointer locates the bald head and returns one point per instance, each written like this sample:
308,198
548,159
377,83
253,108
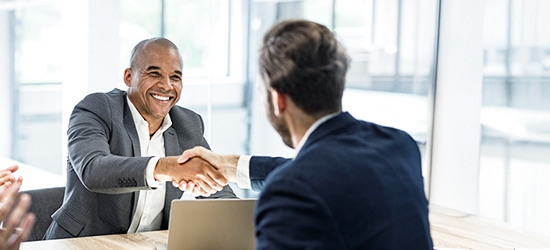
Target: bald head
161,42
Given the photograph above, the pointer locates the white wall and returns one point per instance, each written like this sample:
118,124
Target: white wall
5,94
456,129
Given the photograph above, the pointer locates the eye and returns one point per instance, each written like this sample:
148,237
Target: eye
154,73
176,78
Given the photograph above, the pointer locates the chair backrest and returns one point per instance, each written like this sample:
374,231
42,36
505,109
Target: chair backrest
43,204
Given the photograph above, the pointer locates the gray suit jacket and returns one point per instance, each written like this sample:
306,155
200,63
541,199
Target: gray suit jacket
105,170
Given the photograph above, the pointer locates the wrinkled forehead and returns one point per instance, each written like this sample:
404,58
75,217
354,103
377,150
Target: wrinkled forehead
159,55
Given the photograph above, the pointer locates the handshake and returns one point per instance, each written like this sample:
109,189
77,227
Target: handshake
198,171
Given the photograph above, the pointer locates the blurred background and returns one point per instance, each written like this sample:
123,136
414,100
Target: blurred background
53,53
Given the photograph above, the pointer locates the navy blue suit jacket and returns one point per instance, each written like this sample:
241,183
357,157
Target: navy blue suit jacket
354,185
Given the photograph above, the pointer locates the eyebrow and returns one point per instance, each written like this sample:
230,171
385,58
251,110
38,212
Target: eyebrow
158,68
152,68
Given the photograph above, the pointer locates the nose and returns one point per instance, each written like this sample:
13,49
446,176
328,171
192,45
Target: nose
165,83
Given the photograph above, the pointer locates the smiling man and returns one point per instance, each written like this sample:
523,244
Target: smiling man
123,148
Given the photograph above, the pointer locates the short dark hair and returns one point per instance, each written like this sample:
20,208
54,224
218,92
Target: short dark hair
158,40
304,60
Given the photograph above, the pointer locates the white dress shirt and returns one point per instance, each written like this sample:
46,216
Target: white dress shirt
243,165
148,215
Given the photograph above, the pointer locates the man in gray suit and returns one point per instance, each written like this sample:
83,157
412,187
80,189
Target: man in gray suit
123,148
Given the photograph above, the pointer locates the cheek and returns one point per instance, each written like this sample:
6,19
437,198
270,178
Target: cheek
178,89
140,86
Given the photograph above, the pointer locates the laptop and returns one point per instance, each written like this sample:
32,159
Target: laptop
211,224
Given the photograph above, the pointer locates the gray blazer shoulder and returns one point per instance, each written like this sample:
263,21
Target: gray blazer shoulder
105,169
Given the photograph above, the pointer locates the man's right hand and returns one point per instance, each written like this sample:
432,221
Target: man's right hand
205,178
226,164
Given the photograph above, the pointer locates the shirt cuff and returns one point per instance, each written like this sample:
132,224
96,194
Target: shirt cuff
149,177
243,172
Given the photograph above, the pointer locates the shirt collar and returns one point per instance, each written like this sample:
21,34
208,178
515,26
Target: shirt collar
138,119
312,128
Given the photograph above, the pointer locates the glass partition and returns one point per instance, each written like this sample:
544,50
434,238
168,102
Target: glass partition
391,44
515,118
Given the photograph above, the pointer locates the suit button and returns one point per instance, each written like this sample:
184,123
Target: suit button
123,230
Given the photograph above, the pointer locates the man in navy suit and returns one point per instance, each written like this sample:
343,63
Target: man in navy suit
353,184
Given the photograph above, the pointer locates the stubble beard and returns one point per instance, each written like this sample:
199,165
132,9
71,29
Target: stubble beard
278,124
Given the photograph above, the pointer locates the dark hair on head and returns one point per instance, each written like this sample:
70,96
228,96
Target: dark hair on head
157,40
304,60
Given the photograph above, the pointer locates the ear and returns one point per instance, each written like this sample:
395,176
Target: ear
279,102
128,77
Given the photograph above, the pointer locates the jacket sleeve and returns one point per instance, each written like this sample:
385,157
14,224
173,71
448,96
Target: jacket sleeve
260,167
92,137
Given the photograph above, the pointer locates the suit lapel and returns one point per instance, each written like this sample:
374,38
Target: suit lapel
131,128
171,145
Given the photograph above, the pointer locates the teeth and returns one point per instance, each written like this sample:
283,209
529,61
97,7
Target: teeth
162,98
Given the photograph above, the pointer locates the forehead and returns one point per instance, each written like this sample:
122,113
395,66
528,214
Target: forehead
164,57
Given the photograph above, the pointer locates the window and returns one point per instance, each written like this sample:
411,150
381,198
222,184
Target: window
391,44
200,29
45,82
514,159
37,86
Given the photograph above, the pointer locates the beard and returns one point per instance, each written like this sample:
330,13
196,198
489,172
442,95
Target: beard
278,123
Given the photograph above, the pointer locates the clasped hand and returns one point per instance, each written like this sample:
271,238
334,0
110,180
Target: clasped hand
225,165
195,175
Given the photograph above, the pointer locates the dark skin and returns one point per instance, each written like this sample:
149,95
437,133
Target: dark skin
154,87
167,167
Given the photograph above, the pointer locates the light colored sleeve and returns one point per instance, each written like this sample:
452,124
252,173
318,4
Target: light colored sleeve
151,182
243,172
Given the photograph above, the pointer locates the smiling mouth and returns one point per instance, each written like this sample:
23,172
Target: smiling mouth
161,98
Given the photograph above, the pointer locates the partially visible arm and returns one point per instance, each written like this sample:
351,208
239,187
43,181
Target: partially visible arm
100,150
198,170
17,224
233,167
261,167
226,164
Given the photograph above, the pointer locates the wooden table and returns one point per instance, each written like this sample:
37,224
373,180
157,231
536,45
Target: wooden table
114,241
449,228
453,229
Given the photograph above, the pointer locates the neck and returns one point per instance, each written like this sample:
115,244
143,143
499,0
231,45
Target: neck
154,126
298,123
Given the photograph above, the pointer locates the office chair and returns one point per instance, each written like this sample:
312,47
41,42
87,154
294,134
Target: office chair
43,204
